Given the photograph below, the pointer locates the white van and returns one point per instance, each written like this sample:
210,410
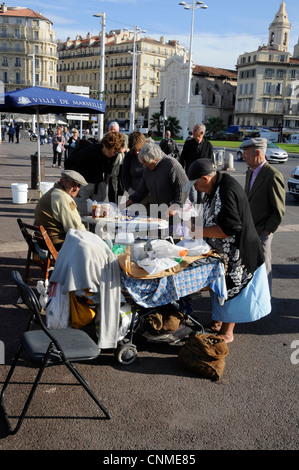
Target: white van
270,136
293,139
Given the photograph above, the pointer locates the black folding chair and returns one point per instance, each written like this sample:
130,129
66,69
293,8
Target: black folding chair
49,347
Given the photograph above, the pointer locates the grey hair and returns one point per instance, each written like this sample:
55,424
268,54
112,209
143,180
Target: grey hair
114,124
201,127
150,152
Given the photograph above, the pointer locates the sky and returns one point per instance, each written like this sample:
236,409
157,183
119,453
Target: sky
222,32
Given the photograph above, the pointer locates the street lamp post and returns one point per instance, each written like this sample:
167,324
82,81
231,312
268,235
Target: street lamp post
33,84
102,76
133,91
190,6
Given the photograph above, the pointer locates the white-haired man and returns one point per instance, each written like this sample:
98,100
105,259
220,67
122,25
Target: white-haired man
196,147
163,178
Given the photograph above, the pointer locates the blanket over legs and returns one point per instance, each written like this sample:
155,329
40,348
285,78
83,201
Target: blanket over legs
86,262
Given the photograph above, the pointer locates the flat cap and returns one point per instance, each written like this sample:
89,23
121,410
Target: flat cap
256,142
75,176
197,169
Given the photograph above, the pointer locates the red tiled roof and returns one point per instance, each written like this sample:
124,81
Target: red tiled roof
24,13
213,72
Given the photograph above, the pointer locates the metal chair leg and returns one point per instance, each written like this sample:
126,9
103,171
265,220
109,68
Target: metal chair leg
30,396
83,382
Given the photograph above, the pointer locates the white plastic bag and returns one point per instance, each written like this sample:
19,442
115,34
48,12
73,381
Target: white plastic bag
187,211
163,248
42,289
59,148
195,247
125,318
156,265
58,308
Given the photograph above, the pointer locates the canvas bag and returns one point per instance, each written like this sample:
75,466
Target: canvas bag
204,355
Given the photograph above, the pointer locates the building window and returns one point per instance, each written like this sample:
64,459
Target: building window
268,88
293,74
269,73
278,89
277,105
266,105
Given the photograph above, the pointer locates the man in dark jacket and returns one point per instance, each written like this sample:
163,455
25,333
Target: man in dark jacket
94,162
169,146
264,187
195,148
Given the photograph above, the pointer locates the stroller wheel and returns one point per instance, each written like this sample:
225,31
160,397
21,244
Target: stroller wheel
126,354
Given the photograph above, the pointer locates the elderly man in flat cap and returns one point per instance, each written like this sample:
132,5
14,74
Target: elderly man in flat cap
228,228
264,187
57,211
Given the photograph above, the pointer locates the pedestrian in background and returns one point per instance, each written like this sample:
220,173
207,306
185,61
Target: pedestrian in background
11,133
17,132
169,146
194,148
58,143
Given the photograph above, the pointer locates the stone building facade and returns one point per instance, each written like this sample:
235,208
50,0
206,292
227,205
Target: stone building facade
268,81
79,65
28,49
212,92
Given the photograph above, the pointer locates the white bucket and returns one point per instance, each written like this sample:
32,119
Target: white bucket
45,186
19,193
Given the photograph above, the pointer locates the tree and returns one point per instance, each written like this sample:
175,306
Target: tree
215,125
173,125
155,121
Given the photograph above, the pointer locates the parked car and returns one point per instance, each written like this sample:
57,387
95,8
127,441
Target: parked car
293,139
274,154
293,183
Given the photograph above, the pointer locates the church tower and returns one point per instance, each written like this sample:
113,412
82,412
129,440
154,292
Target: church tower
279,30
296,50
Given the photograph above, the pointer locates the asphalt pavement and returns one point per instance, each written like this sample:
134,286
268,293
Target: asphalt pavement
157,406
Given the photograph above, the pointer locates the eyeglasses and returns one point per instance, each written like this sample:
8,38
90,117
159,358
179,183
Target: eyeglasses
75,184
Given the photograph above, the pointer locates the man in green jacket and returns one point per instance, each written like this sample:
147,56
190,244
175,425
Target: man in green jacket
265,189
57,211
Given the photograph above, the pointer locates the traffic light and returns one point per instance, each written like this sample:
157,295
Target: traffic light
162,108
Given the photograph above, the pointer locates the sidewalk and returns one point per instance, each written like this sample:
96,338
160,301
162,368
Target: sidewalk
15,167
